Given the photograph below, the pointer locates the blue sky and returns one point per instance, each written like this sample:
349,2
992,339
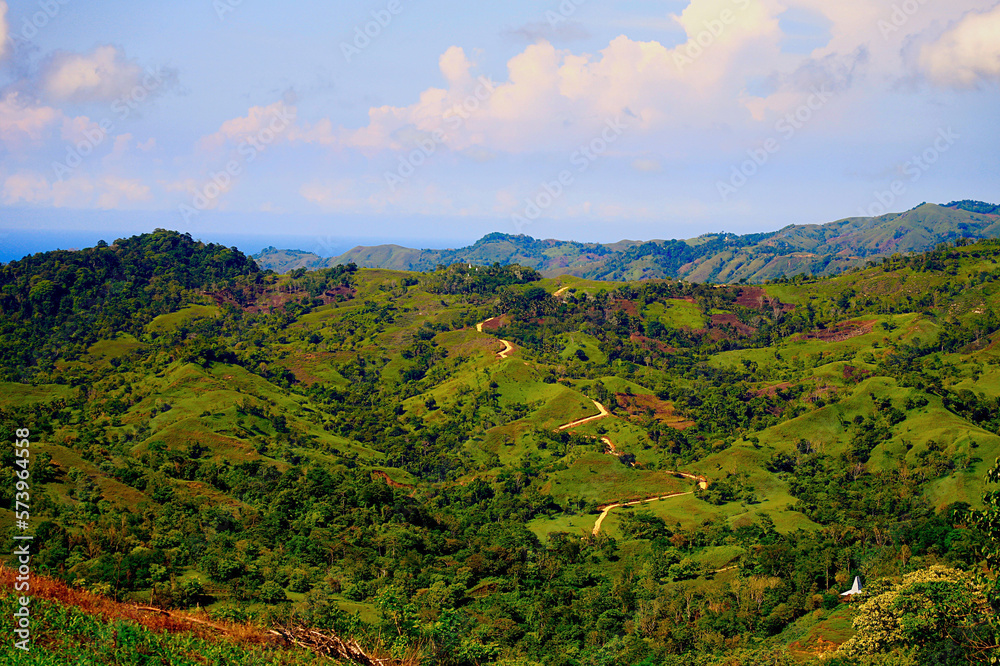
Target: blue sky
580,119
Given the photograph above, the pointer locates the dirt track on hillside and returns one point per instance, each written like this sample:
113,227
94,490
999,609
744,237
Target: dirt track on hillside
613,450
579,422
607,509
602,412
508,348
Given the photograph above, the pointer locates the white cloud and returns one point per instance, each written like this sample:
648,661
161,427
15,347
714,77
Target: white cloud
21,119
26,187
262,125
553,99
33,188
79,191
103,75
182,185
81,128
115,191
455,66
728,72
715,87
120,148
966,54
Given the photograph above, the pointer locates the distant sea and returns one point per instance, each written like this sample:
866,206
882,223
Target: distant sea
18,243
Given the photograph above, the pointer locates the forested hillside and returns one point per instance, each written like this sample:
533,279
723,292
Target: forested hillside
480,464
815,249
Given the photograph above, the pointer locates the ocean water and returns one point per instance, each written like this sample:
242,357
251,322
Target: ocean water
18,243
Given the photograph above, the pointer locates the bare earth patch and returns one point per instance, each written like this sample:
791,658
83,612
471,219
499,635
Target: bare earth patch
841,331
663,410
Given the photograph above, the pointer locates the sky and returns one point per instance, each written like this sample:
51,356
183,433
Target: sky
434,122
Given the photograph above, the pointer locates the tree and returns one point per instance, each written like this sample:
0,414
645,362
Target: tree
987,521
940,612
946,615
271,593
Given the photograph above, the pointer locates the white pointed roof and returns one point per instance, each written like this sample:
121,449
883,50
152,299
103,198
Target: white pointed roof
857,587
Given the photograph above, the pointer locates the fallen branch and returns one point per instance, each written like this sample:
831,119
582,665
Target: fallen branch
330,645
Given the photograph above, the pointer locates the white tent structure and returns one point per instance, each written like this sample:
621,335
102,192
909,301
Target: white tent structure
856,588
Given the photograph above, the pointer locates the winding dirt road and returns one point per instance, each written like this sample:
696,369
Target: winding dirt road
613,450
702,481
507,347
579,422
602,412
607,509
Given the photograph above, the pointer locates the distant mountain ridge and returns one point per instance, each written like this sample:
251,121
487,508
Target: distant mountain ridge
820,249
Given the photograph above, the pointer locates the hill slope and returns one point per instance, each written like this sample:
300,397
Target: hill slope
825,249
479,464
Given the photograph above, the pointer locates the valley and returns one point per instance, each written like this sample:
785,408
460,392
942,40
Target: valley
632,470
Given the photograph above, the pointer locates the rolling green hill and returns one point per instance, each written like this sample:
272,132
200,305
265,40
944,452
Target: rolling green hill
480,464
825,249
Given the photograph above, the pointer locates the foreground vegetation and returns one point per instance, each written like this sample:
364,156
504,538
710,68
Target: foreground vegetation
344,449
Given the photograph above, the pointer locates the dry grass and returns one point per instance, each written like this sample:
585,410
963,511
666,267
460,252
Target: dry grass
202,626
151,618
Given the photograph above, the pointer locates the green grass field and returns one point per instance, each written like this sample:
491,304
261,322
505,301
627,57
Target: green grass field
675,313
182,317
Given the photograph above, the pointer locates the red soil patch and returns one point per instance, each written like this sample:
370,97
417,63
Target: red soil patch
267,299
850,372
650,343
626,306
663,411
752,297
340,290
772,390
496,323
755,298
844,330
720,320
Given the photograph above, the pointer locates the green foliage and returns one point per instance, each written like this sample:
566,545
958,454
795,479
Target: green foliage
63,300
939,611
465,279
342,447
64,634
796,250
